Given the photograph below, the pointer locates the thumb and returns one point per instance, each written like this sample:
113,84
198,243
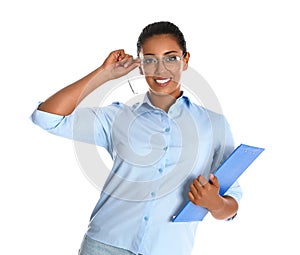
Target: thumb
214,180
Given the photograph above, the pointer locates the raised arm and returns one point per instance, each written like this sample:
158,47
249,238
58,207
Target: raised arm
64,102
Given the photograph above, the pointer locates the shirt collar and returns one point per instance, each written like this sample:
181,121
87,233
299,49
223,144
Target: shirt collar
147,103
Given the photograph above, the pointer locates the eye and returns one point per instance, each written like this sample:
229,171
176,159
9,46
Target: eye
172,58
149,61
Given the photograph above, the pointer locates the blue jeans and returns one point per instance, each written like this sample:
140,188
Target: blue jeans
92,247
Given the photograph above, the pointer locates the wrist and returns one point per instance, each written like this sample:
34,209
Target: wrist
103,73
218,205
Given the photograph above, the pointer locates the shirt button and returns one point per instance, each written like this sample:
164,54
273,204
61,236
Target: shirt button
167,129
165,148
146,218
152,194
160,170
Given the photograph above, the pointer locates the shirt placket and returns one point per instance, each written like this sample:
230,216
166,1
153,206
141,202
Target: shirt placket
160,168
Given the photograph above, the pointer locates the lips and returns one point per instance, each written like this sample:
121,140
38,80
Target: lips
162,82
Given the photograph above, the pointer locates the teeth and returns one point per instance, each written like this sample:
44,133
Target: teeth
162,81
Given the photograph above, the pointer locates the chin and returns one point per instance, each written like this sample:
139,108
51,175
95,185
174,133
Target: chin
166,91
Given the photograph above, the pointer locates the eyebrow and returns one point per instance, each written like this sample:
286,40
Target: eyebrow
166,53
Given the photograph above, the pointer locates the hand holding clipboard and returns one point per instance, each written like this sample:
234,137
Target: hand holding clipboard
227,173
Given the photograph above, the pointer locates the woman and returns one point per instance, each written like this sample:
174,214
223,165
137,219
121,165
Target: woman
164,148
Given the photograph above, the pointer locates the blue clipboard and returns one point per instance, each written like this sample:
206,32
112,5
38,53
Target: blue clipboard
227,173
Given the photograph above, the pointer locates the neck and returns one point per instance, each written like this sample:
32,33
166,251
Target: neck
163,101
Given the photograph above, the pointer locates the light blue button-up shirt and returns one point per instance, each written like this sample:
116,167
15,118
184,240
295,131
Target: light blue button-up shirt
156,155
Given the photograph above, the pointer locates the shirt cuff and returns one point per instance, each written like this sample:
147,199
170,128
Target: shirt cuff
45,120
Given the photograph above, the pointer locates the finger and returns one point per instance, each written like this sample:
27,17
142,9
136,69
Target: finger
201,179
127,61
124,60
134,64
130,63
118,54
122,56
214,180
113,58
197,185
193,189
191,196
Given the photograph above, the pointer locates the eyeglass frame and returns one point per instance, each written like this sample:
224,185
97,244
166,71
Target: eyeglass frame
161,59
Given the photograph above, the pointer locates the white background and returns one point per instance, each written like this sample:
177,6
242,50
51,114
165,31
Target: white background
249,53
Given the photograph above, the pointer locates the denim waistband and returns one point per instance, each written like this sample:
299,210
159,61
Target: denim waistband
90,246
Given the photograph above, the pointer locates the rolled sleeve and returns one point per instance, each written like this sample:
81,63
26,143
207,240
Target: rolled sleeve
45,120
235,191
89,125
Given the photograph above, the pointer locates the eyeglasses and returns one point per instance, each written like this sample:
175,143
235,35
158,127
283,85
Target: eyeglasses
170,62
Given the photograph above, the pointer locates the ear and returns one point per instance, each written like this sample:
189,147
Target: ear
186,60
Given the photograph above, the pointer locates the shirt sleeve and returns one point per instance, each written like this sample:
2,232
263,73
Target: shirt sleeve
89,125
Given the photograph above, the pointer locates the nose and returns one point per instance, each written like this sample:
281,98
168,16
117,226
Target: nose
160,68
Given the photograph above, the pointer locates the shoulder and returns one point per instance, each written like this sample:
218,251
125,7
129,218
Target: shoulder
116,109
112,108
211,114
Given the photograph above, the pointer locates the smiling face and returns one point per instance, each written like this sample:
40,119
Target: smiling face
162,64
